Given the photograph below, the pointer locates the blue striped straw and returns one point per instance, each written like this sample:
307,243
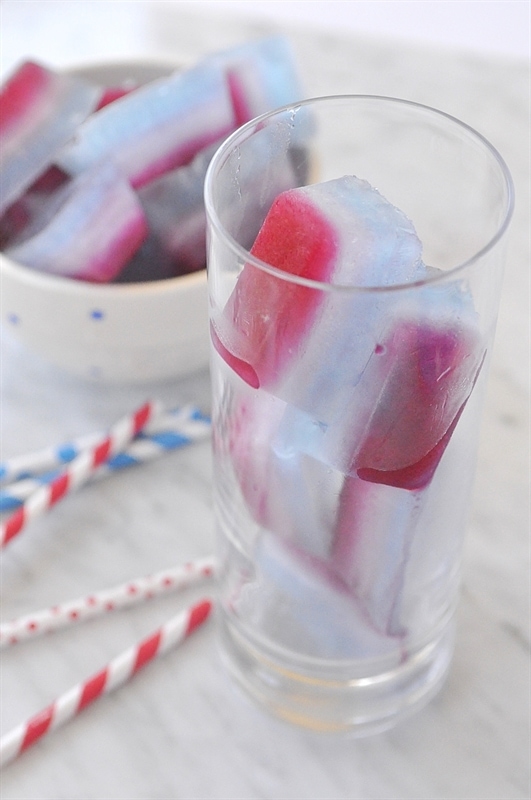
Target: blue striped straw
45,460
168,431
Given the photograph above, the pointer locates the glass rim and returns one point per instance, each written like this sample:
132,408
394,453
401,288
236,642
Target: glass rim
242,253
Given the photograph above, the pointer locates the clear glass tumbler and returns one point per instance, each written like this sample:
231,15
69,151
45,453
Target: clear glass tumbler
346,416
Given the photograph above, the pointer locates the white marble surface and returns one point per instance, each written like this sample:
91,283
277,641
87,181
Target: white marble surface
180,730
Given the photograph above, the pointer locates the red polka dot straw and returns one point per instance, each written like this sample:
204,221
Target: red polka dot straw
95,604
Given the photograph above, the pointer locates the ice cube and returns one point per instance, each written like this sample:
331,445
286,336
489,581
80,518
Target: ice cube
165,123
338,232
30,206
157,127
90,230
305,605
262,76
307,345
175,211
41,109
284,491
374,530
424,374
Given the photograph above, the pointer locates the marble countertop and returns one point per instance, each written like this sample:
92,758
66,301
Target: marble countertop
180,729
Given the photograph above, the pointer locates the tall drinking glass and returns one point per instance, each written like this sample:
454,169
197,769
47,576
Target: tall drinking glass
346,415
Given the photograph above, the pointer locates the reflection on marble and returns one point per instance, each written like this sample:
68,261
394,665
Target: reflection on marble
180,729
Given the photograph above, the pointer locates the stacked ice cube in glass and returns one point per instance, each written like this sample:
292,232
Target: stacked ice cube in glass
338,396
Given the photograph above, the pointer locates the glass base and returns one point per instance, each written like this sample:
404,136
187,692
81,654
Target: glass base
324,699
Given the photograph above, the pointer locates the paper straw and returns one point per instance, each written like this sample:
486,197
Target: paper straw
76,472
51,458
115,674
98,603
44,460
14,495
167,431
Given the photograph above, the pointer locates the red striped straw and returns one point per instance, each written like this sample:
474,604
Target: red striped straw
120,670
105,601
78,471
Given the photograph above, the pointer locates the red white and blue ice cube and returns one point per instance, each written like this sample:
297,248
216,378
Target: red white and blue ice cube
40,109
96,226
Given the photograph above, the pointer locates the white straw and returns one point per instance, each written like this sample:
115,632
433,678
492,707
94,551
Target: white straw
96,604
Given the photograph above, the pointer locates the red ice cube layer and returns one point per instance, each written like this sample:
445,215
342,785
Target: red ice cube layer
269,315
427,373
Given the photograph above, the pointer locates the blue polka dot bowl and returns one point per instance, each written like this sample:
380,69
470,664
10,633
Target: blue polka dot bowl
114,332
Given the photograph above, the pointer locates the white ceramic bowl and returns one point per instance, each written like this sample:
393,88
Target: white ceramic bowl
113,333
